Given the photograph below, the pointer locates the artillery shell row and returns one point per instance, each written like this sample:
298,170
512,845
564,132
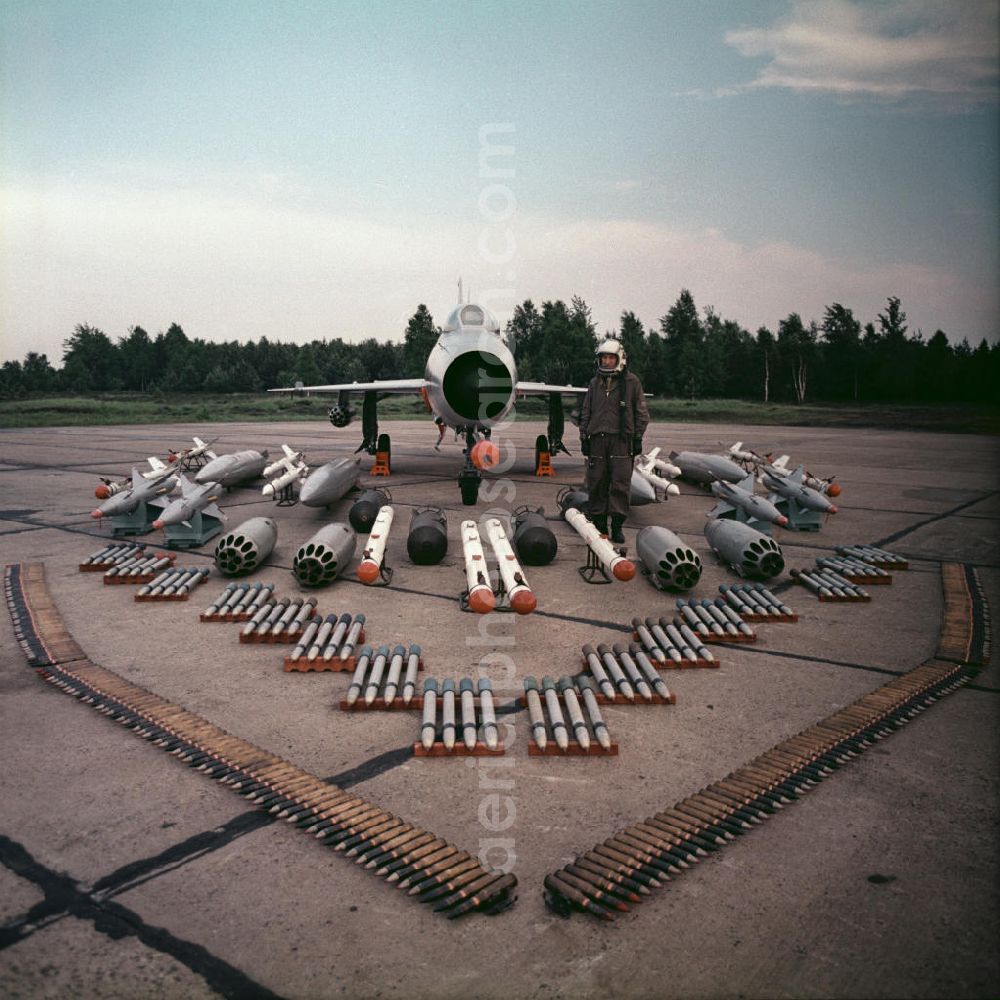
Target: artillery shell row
829,586
173,584
451,881
239,602
606,879
139,569
462,726
327,644
753,602
624,676
671,645
107,557
856,570
874,555
714,622
383,680
560,710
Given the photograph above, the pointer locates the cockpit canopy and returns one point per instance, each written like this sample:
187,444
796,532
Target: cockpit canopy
472,317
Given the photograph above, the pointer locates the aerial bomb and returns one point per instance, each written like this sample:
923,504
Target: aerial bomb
671,564
535,543
748,551
325,556
328,483
244,548
365,509
613,562
427,541
570,498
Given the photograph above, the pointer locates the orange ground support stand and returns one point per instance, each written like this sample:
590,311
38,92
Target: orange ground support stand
543,467
381,465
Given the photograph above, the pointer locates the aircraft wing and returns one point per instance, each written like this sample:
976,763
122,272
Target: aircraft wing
397,385
543,389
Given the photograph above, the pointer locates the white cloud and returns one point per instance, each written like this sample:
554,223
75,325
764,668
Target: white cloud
928,49
240,267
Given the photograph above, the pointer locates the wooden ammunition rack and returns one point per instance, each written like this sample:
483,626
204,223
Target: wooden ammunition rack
737,803
319,665
438,749
342,820
573,750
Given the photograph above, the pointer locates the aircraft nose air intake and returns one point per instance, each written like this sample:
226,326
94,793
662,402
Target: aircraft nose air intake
478,385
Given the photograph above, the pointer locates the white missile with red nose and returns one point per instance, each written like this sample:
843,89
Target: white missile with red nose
480,597
607,555
522,600
373,554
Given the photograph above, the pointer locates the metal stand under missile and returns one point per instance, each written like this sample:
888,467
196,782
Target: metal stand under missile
139,522
799,518
203,527
191,463
286,496
594,568
737,514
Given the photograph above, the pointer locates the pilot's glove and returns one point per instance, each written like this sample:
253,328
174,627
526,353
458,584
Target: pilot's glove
585,446
636,446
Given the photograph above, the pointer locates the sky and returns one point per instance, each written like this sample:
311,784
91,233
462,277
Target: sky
303,170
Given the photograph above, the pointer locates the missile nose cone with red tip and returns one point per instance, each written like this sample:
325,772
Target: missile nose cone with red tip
523,602
832,510
157,525
782,521
624,570
482,600
98,514
368,572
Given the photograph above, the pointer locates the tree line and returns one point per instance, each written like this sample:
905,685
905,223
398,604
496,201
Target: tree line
688,354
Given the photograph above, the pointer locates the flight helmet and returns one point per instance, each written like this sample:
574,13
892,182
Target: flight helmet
610,346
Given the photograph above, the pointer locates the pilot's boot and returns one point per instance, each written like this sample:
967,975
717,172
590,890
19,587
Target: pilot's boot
601,523
617,535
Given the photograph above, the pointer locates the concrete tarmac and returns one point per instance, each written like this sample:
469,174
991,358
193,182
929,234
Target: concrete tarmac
126,874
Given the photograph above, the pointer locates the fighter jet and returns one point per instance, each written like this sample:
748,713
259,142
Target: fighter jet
740,496
194,499
791,487
470,383
230,470
141,489
706,469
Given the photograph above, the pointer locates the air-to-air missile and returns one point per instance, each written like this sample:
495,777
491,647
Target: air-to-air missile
534,540
365,509
194,499
609,557
658,465
141,490
740,496
284,471
328,483
244,548
671,564
373,554
779,467
698,467
230,470
519,594
480,597
647,467
324,556
748,551
792,487
427,540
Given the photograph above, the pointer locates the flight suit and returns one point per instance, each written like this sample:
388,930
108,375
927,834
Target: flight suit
613,418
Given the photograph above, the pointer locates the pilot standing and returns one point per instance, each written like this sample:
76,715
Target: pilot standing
613,419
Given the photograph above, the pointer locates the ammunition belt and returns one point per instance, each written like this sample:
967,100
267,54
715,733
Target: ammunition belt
450,880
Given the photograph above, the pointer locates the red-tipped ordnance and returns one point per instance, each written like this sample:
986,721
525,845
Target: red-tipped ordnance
480,592
782,521
519,594
623,569
102,492
98,513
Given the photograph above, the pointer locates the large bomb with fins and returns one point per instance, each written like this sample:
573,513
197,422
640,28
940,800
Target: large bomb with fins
427,541
535,543
244,548
325,556
671,564
328,483
748,551
365,509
